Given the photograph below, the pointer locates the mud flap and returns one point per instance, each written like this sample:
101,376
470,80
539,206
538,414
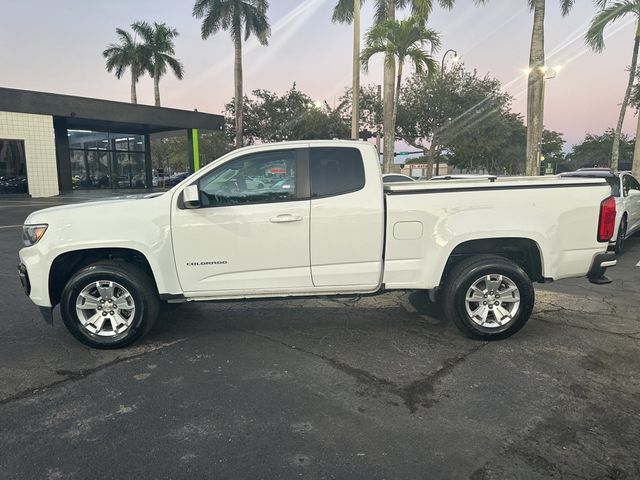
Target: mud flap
47,314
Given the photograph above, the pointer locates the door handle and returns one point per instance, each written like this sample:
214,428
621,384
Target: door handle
285,218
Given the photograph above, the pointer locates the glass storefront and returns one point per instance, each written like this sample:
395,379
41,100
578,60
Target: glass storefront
13,167
107,160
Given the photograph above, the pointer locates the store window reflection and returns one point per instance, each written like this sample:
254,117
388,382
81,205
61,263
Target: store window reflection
13,167
107,160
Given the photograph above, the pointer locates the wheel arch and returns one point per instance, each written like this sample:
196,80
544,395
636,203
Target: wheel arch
68,263
523,251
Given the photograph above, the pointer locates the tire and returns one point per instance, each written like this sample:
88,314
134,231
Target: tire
622,236
124,289
498,281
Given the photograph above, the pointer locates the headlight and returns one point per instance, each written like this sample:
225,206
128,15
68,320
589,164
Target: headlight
31,234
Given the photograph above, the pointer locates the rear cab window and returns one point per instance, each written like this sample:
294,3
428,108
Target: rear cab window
335,171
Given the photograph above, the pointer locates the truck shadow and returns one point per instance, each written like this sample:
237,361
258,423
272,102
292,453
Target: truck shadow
413,313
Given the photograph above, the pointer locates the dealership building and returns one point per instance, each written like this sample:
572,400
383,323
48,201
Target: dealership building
51,144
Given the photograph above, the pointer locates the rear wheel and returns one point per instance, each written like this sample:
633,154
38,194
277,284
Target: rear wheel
622,236
109,304
488,297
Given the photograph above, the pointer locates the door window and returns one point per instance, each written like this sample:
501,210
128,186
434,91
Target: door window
633,183
259,178
629,183
335,171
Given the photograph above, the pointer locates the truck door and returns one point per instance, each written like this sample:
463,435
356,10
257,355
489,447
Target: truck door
347,218
251,233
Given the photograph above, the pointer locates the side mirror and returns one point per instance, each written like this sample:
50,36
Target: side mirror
191,197
633,193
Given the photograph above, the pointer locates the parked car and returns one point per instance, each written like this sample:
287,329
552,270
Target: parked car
17,184
339,232
174,180
396,177
626,190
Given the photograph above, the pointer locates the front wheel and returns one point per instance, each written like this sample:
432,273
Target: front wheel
109,304
488,297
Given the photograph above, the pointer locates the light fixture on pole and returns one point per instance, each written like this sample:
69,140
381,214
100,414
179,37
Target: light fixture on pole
444,57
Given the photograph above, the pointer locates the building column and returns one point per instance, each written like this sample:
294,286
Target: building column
63,155
194,149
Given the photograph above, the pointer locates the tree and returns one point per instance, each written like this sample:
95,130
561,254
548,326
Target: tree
159,43
536,80
347,12
171,152
386,10
535,83
594,150
448,114
401,41
551,146
370,103
292,116
609,13
242,18
127,54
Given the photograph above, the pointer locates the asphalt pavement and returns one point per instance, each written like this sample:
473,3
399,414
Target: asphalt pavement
372,388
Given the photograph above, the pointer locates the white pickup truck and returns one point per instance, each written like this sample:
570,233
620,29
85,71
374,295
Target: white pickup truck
310,219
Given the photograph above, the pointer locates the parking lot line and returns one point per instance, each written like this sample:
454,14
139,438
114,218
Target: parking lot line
10,226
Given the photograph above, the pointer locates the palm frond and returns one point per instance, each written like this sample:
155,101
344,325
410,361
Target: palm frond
566,6
176,66
614,11
343,11
144,30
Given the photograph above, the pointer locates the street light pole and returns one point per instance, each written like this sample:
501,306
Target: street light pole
444,57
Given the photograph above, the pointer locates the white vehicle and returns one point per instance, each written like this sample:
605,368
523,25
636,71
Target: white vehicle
626,190
475,246
396,177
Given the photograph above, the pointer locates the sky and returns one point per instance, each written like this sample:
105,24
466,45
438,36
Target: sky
56,46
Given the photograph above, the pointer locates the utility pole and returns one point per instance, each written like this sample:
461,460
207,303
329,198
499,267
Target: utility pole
355,90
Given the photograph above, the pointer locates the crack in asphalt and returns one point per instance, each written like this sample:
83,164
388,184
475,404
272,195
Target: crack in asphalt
418,393
73,376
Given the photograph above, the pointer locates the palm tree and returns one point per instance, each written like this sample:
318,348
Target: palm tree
535,83
386,10
402,41
595,39
242,18
158,40
347,11
127,54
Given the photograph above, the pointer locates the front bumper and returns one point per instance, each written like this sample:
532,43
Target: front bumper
24,278
23,274
599,266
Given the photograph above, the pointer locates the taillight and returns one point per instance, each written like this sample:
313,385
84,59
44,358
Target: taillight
607,222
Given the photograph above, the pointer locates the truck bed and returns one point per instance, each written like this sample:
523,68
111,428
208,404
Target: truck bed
429,221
